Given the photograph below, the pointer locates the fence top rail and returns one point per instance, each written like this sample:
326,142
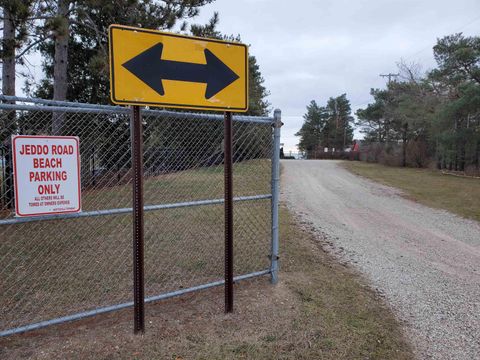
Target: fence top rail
35,104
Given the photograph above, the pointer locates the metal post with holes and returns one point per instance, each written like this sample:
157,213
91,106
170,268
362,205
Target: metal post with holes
227,161
138,230
277,124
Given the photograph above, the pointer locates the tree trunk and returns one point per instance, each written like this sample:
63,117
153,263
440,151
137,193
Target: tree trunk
456,159
8,88
8,58
60,64
438,158
404,157
477,155
461,165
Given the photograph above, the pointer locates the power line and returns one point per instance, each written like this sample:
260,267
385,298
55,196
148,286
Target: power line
357,105
389,76
429,47
366,102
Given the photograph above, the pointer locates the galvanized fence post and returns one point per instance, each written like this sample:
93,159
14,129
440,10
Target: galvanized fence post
277,124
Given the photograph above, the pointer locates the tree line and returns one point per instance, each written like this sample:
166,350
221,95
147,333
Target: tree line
328,127
419,119
71,36
435,116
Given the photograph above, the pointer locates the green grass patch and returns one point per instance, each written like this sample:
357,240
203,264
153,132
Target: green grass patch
250,178
57,268
432,188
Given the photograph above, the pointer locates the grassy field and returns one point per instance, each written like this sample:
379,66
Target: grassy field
57,268
432,188
319,310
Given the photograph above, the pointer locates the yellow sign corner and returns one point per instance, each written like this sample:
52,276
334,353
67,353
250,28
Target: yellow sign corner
154,68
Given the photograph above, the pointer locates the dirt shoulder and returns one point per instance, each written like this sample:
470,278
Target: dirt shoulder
319,309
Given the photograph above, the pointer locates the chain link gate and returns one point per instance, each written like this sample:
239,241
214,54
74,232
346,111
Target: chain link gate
59,268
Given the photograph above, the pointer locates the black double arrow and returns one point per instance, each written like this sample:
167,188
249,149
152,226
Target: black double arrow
149,67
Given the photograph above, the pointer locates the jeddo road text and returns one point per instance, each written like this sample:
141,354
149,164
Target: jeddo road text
47,174
49,168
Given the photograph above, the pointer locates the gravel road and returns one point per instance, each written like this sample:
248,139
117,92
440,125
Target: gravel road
425,262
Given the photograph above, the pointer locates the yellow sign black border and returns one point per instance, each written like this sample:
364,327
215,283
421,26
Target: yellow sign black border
169,105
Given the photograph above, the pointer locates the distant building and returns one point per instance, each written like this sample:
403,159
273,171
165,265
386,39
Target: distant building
355,146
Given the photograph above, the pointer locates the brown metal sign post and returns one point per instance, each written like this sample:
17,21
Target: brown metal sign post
137,74
138,231
227,161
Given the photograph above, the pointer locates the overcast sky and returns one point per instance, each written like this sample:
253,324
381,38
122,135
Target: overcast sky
311,50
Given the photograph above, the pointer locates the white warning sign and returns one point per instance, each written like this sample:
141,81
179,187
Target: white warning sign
46,174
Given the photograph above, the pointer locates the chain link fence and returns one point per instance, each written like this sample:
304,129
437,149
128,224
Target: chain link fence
63,267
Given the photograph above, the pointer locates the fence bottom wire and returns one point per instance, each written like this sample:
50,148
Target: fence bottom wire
107,309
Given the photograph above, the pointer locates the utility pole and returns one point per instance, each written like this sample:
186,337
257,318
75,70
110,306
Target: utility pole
336,123
405,125
389,76
336,114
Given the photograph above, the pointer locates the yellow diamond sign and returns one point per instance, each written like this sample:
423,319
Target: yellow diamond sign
155,68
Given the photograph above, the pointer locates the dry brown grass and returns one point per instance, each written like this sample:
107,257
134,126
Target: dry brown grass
456,194
319,310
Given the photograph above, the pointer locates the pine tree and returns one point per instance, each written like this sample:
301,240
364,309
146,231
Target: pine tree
326,127
314,130
87,24
258,104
